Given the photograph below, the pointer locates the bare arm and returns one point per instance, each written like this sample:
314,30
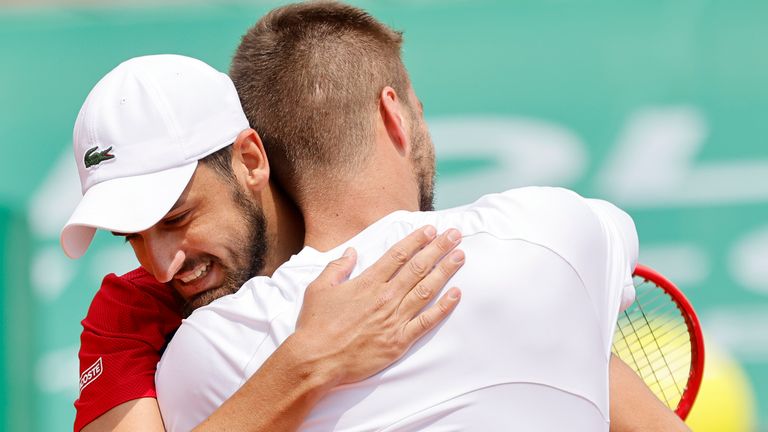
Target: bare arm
383,317
634,407
139,414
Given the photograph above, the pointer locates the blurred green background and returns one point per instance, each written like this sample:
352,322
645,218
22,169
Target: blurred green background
659,106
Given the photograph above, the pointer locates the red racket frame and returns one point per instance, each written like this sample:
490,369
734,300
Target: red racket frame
694,329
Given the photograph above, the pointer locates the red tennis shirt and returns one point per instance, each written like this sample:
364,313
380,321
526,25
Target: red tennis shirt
130,320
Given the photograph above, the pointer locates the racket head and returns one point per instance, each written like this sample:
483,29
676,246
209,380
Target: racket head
656,335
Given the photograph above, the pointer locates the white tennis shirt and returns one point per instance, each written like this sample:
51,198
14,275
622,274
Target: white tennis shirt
527,349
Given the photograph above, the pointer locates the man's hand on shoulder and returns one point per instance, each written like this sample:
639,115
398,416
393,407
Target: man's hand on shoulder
381,309
348,331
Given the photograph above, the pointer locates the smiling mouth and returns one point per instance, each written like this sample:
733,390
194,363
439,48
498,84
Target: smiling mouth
196,273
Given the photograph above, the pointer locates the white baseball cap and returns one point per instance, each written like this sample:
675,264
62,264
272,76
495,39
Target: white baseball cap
138,138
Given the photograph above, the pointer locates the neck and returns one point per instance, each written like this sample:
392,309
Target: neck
285,228
335,217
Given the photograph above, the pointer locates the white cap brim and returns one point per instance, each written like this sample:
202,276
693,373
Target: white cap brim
125,205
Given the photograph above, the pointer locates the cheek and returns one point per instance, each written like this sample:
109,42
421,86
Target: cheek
141,254
217,239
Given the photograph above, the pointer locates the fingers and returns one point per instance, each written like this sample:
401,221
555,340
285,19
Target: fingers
426,289
431,317
421,265
399,255
338,270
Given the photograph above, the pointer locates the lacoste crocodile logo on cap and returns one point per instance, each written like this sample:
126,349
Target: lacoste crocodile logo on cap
93,157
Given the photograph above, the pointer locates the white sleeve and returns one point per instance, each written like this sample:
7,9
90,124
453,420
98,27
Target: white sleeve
621,232
597,239
195,376
215,350
621,258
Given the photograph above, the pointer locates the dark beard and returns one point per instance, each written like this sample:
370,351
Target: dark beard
426,193
423,161
252,255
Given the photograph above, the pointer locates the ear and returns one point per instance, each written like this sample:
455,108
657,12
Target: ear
248,156
393,115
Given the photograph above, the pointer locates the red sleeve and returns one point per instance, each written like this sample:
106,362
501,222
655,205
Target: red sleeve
130,320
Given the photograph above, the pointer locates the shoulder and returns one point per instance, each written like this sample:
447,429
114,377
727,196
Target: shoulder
533,199
136,288
531,213
200,368
553,207
135,306
221,336
584,232
207,358
127,325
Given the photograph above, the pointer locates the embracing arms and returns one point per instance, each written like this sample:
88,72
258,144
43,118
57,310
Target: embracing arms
383,317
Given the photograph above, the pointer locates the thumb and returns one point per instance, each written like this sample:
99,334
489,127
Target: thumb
338,270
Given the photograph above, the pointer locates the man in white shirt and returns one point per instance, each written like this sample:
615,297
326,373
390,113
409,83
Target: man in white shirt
546,272
528,349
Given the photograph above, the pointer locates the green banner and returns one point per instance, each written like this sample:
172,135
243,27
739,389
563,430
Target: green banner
658,106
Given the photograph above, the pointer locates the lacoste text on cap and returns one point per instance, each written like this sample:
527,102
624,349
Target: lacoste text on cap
137,140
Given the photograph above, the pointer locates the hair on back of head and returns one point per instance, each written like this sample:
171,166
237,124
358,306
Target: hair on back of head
309,77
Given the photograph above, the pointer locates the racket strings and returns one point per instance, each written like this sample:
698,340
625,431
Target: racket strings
644,350
653,338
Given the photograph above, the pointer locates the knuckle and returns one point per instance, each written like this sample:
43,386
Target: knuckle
335,264
418,268
446,269
397,343
444,244
425,321
382,300
398,255
361,284
444,307
422,291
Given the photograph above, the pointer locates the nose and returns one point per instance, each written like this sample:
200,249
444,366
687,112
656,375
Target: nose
164,257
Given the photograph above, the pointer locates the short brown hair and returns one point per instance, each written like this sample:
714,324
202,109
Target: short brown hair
309,77
220,162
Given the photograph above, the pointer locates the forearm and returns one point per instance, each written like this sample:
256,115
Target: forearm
276,398
634,407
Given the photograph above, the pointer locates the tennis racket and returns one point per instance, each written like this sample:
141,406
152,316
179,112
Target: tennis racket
659,336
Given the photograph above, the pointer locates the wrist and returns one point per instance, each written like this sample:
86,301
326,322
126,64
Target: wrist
318,372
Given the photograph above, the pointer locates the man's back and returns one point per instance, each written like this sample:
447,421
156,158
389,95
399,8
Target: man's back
528,349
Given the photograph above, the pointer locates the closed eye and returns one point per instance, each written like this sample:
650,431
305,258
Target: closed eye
126,237
175,220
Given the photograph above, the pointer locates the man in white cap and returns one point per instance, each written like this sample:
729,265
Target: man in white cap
154,147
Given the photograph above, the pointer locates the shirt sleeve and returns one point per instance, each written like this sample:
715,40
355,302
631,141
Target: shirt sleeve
216,349
622,249
128,324
621,233
596,238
